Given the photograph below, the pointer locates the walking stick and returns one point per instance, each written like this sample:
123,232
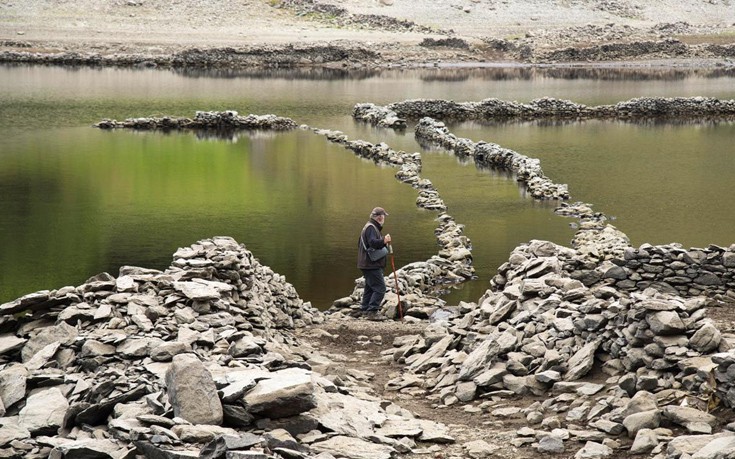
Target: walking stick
395,276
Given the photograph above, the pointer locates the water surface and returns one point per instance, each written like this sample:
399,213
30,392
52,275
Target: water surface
76,201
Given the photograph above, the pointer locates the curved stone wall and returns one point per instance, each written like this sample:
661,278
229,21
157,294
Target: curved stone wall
419,282
526,170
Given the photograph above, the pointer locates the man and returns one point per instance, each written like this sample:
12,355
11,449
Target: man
371,239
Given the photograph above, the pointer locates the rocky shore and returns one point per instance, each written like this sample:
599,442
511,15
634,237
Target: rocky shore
357,34
595,350
199,360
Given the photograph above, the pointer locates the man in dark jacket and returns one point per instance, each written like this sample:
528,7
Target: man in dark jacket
371,238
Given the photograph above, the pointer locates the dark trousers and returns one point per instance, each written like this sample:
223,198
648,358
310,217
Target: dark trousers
374,289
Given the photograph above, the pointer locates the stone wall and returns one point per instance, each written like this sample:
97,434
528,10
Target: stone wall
664,364
420,282
526,170
670,268
200,360
548,108
228,120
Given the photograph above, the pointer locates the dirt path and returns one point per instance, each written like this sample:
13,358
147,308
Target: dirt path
365,346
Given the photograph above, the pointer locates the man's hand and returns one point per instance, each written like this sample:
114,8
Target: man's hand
387,239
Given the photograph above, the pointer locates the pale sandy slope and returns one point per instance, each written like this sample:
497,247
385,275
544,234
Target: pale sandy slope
128,25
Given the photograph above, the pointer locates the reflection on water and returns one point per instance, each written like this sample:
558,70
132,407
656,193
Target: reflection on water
454,74
76,201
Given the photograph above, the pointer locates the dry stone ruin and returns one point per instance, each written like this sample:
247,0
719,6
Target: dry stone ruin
198,360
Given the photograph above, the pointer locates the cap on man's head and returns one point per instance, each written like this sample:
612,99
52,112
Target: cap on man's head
378,211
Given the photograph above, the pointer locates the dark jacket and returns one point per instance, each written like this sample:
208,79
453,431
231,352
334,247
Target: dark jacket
373,238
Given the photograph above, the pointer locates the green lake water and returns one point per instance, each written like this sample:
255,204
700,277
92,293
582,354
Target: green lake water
76,201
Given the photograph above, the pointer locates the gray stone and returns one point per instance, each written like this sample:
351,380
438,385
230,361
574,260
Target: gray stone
465,391
581,362
427,359
199,290
88,449
642,420
691,444
286,393
666,323
479,359
434,432
136,347
13,384
480,449
62,333
593,450
42,357
492,376
645,441
200,433
550,444
706,339
10,431
718,448
217,448
615,272
92,348
607,426
246,346
10,343
641,401
44,411
192,392
548,377
166,351
354,448
692,419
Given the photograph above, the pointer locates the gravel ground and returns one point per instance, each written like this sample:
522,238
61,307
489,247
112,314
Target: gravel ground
394,27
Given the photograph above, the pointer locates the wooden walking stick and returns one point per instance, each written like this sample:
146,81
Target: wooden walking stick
395,276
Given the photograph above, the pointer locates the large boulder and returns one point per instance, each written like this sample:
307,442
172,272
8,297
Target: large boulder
192,392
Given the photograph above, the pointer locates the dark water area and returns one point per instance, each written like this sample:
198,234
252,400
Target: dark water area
76,201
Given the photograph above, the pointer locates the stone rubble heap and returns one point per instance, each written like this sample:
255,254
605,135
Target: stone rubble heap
378,116
540,331
595,239
225,121
526,170
419,282
197,361
548,108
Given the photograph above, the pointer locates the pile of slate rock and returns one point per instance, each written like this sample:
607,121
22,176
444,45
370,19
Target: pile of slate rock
199,360
638,372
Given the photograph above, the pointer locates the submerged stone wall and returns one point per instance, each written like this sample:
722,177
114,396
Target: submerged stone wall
548,108
225,121
669,268
526,170
419,283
